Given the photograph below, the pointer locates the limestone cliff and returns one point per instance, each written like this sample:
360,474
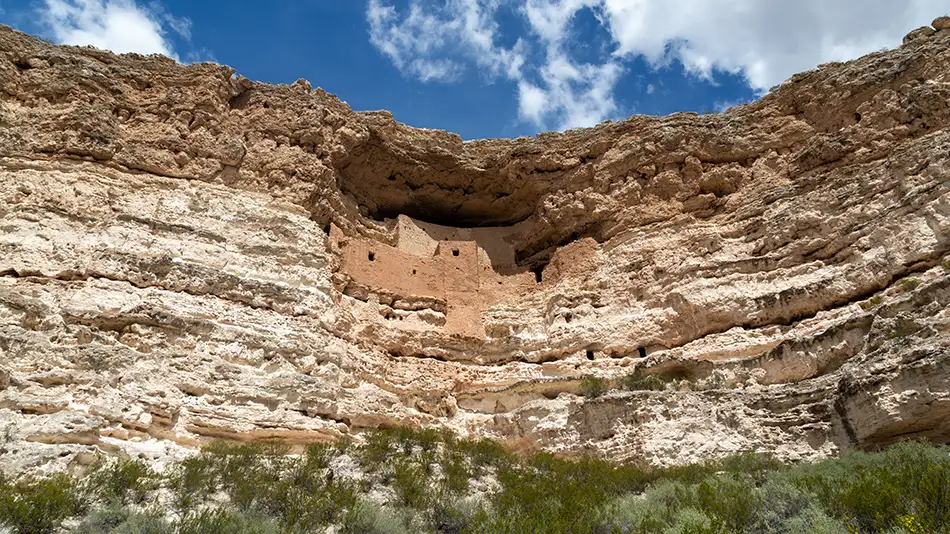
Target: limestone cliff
188,255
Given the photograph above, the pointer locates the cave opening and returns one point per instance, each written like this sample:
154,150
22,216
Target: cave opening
473,214
642,351
590,355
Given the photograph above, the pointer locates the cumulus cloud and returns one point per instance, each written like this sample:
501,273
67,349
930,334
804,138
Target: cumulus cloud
763,40
118,25
434,41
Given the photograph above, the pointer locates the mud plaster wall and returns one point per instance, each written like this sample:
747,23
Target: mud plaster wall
469,269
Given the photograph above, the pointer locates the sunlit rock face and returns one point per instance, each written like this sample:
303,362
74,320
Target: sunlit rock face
187,255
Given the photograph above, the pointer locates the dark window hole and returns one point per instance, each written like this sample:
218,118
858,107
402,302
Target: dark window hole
590,355
371,256
857,117
643,352
413,271
538,273
455,252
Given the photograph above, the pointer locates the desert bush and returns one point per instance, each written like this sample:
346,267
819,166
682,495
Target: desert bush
39,506
730,500
192,481
259,488
695,521
222,521
122,482
456,472
482,454
412,484
451,515
103,521
116,519
908,483
378,448
545,494
871,303
593,386
640,381
370,518
139,523
909,284
643,513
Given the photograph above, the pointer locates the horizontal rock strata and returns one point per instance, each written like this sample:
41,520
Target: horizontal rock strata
188,255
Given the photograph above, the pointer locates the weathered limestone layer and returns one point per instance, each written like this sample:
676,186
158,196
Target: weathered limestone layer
187,255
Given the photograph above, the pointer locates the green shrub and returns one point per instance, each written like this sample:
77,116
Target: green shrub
221,521
641,381
378,448
259,488
370,518
192,480
456,473
871,303
122,520
449,515
593,386
482,454
412,484
909,284
874,492
732,501
139,523
39,506
123,482
545,495
693,521
103,521
318,456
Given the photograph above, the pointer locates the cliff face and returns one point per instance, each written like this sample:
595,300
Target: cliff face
188,255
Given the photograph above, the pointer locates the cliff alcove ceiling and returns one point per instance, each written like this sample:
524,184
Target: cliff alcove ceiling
188,255
442,191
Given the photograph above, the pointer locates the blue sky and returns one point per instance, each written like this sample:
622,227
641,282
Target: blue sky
496,68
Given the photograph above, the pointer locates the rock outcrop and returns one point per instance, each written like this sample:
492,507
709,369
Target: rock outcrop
188,255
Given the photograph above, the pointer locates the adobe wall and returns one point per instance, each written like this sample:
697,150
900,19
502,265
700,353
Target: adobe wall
470,269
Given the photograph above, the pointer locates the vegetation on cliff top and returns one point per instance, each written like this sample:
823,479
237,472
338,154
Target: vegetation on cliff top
403,481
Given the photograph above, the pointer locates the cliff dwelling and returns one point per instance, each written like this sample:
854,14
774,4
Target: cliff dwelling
435,275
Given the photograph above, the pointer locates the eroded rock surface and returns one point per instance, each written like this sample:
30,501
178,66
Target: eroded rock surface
187,255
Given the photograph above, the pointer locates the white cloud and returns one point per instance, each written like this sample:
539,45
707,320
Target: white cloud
766,40
118,25
434,41
763,40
